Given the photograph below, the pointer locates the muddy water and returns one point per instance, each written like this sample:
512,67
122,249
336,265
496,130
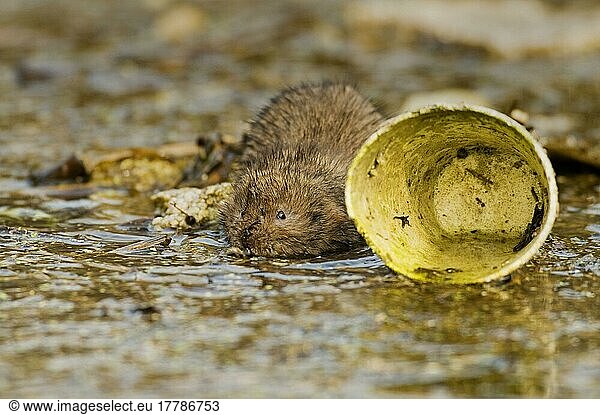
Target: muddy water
78,318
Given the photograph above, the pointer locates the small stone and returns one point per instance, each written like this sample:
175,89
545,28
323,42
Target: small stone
126,83
179,205
43,69
180,23
520,116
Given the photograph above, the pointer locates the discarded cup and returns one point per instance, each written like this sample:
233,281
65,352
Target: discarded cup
453,194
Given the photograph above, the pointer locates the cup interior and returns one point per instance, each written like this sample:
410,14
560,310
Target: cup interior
459,194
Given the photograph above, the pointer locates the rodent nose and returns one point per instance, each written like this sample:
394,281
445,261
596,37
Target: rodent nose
246,248
245,235
244,239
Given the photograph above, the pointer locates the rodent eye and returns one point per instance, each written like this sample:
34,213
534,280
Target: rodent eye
281,215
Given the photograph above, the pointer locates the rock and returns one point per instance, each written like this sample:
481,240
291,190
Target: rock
125,83
557,133
139,174
72,169
41,68
25,214
585,150
510,28
188,207
180,23
552,125
139,169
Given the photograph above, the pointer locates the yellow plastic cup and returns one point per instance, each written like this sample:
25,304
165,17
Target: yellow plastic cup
452,194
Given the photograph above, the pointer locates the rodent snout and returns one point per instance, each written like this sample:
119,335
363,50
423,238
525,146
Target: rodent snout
245,236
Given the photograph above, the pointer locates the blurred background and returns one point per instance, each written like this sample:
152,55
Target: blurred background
76,74
79,318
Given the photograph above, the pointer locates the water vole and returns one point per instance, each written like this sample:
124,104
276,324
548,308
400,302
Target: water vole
288,192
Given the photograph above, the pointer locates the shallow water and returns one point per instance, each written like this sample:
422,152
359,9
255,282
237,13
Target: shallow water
81,318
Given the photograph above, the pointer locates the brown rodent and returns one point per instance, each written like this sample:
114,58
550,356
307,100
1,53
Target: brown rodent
288,192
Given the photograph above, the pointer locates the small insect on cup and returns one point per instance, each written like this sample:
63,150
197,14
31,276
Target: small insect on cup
453,194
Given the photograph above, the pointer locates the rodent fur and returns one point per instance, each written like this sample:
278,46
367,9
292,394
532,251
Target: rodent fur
288,191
